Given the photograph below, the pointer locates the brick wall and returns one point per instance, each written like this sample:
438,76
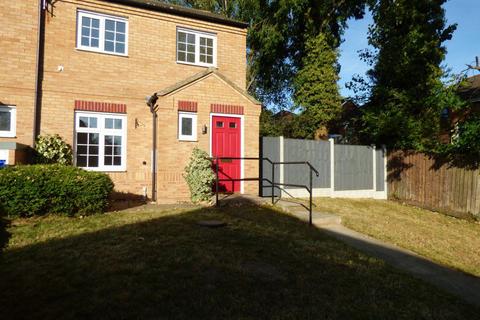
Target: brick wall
18,39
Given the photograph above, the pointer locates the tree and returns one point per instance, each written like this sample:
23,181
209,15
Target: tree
407,37
315,86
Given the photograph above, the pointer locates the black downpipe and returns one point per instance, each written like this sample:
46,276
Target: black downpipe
151,103
39,69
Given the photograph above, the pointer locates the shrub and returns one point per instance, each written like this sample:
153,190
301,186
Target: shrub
52,149
200,176
40,189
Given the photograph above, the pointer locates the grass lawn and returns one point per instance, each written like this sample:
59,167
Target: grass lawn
161,265
447,240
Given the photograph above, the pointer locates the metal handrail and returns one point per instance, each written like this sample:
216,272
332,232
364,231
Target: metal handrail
272,182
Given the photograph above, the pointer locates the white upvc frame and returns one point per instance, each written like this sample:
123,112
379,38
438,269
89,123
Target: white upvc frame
13,122
102,133
189,115
197,34
242,142
101,39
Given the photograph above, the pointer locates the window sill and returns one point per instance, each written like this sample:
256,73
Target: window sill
8,135
197,64
188,140
103,52
105,170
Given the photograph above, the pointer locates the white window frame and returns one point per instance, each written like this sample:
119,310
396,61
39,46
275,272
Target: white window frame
190,115
13,122
197,35
101,39
102,133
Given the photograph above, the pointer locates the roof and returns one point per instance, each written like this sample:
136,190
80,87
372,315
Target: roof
203,74
161,6
470,90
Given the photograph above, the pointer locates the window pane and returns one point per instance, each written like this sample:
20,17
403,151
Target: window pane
93,122
120,48
182,37
108,46
191,48
182,47
82,138
108,123
117,161
107,161
93,150
109,25
85,31
81,149
85,41
81,161
118,140
232,125
203,58
95,33
191,38
187,126
121,27
108,140
118,123
191,57
120,37
209,59
109,35
94,43
96,23
219,124
117,151
108,150
93,138
86,22
181,56
5,124
202,41
210,42
93,161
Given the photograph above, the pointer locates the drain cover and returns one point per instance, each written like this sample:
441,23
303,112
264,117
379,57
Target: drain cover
211,223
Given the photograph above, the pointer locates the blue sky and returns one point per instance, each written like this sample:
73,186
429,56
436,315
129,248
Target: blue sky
462,49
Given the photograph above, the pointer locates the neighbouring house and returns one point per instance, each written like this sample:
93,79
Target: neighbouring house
469,90
119,79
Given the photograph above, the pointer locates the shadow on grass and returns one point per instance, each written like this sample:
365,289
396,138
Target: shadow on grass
4,234
262,265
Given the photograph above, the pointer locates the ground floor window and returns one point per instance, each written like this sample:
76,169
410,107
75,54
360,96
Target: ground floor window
7,121
187,126
100,141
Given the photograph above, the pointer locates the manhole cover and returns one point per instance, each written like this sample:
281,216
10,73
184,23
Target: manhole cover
211,223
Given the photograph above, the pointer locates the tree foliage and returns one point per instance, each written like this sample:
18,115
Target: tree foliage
406,95
315,86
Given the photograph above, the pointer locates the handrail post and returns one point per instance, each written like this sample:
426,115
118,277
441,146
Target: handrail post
311,191
216,182
273,183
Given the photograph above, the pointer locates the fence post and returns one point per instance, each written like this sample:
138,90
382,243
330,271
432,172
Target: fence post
273,182
282,159
374,151
385,171
332,166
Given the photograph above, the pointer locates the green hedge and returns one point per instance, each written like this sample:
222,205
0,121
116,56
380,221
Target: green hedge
40,189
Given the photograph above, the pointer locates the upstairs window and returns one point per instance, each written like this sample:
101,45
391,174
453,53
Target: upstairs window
195,47
102,33
7,121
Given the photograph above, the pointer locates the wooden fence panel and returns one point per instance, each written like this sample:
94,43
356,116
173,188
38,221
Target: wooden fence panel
421,180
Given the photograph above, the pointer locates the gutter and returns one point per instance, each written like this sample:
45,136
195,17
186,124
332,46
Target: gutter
151,101
42,5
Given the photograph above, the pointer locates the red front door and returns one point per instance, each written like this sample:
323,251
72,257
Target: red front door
226,142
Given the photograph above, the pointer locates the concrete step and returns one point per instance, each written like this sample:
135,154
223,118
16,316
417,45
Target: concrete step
299,211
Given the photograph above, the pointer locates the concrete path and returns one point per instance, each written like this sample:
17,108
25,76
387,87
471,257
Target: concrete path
455,282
